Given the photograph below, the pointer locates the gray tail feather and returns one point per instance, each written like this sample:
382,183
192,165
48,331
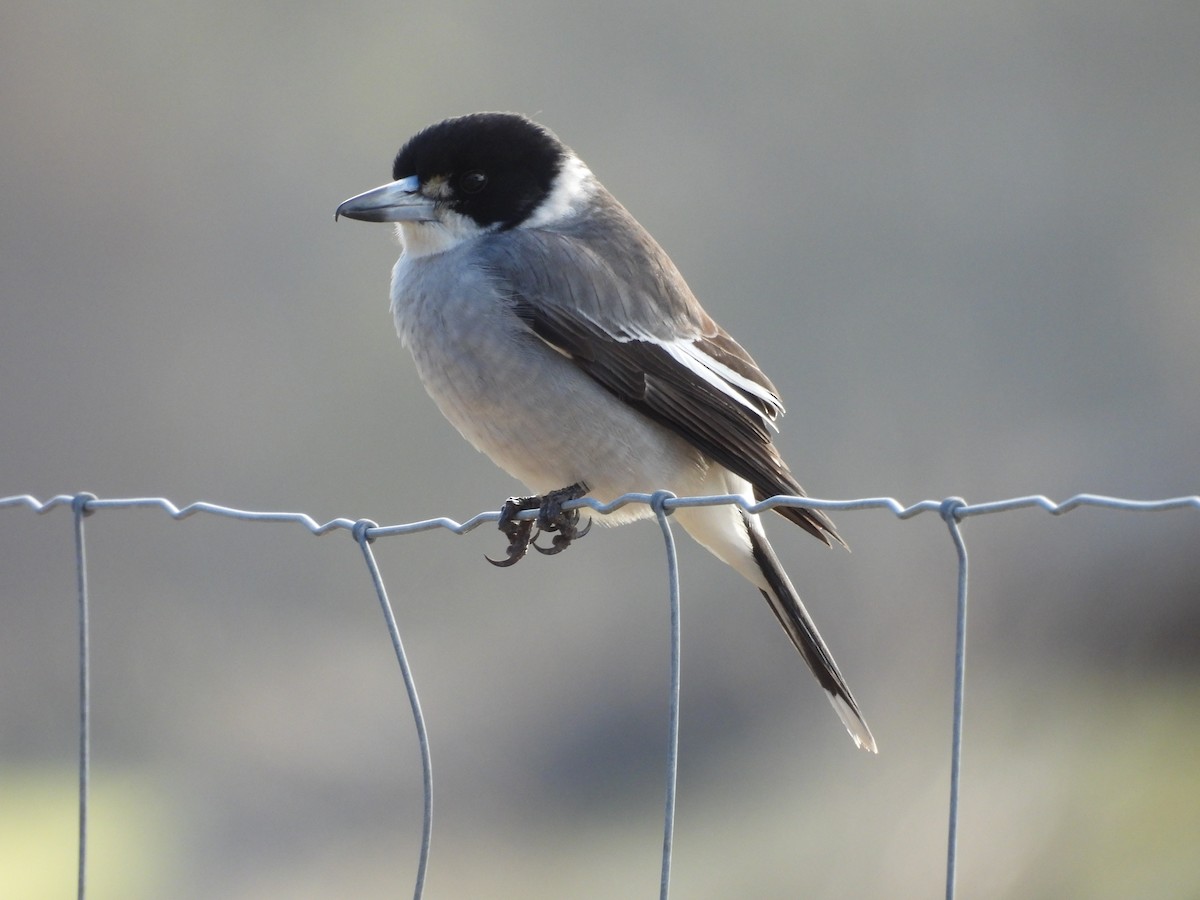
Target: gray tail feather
794,618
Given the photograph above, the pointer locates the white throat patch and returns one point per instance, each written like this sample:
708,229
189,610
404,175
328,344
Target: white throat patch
427,238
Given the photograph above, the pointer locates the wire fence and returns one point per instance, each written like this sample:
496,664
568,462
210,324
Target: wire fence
952,510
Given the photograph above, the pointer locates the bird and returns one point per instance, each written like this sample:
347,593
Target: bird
557,336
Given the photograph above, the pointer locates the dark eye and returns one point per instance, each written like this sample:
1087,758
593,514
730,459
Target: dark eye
473,182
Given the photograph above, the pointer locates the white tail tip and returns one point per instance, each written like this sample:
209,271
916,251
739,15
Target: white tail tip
858,729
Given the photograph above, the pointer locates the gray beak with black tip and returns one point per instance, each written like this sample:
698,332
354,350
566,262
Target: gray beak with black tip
400,201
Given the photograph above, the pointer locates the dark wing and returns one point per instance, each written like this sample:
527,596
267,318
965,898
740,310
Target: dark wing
623,314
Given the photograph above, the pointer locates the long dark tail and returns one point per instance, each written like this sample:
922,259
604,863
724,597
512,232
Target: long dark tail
794,618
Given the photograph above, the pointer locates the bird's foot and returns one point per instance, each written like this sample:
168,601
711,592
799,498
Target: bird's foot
518,531
551,518
563,523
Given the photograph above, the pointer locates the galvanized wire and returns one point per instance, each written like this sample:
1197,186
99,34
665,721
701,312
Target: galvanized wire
360,530
953,510
658,503
79,508
949,510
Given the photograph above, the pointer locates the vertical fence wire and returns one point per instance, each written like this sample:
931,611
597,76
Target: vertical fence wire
361,533
79,508
950,511
658,504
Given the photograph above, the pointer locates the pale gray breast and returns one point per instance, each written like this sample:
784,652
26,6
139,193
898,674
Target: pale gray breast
468,346
529,408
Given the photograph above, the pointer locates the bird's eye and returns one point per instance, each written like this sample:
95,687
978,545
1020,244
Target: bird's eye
473,182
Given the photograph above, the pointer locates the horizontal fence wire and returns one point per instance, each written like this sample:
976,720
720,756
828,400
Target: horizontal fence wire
953,510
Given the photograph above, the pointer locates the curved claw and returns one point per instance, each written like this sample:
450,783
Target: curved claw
519,533
519,540
514,556
560,543
567,533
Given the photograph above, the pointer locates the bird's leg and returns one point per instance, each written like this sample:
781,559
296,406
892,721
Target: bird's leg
518,531
552,517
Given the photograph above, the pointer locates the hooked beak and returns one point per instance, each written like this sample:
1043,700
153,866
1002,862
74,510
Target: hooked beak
400,201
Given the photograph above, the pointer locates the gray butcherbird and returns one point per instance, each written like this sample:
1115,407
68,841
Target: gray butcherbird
559,339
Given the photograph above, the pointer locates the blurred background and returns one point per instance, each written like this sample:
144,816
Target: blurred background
963,240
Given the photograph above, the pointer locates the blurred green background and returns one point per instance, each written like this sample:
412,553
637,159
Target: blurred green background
962,239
